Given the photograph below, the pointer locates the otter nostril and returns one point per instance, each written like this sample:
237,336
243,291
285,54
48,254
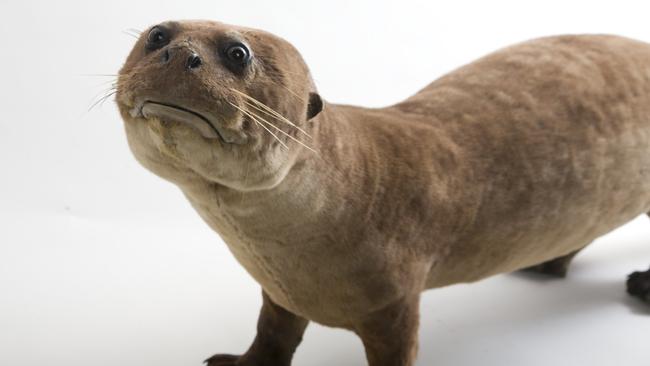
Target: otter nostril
194,61
165,56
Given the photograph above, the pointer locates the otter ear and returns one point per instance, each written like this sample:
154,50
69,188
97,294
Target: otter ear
315,105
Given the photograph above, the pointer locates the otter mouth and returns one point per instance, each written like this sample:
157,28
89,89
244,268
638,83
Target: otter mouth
172,112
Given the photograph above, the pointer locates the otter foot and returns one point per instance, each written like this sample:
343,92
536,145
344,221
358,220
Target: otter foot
223,360
638,285
557,267
246,360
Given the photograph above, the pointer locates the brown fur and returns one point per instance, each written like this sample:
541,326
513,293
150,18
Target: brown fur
521,157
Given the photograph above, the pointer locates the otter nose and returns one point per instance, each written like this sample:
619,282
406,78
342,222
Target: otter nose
193,61
181,55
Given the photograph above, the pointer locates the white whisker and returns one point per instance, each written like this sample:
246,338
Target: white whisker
253,115
260,124
270,110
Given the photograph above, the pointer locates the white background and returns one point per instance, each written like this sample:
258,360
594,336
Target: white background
101,263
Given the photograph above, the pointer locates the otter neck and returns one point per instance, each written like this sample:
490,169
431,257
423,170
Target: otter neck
307,185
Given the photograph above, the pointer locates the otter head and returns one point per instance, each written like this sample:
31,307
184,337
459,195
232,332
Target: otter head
207,100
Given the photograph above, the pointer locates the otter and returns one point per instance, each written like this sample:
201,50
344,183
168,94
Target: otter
344,214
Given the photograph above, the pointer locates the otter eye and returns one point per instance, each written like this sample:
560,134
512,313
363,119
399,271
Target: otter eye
157,38
238,53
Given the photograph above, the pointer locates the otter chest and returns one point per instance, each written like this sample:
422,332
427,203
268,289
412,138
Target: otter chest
287,265
302,268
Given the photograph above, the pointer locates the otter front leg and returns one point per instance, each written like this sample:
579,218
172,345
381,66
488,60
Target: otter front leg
390,335
279,333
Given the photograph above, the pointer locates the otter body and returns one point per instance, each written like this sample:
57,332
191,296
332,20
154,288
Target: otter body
520,158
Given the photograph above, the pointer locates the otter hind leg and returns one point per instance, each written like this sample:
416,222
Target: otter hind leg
557,267
638,285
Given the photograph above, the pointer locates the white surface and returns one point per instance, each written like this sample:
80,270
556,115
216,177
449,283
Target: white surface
102,263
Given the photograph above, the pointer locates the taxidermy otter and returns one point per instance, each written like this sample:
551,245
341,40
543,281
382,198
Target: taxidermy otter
344,214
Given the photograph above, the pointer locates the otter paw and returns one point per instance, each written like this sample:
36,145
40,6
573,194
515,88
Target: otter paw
223,360
638,285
